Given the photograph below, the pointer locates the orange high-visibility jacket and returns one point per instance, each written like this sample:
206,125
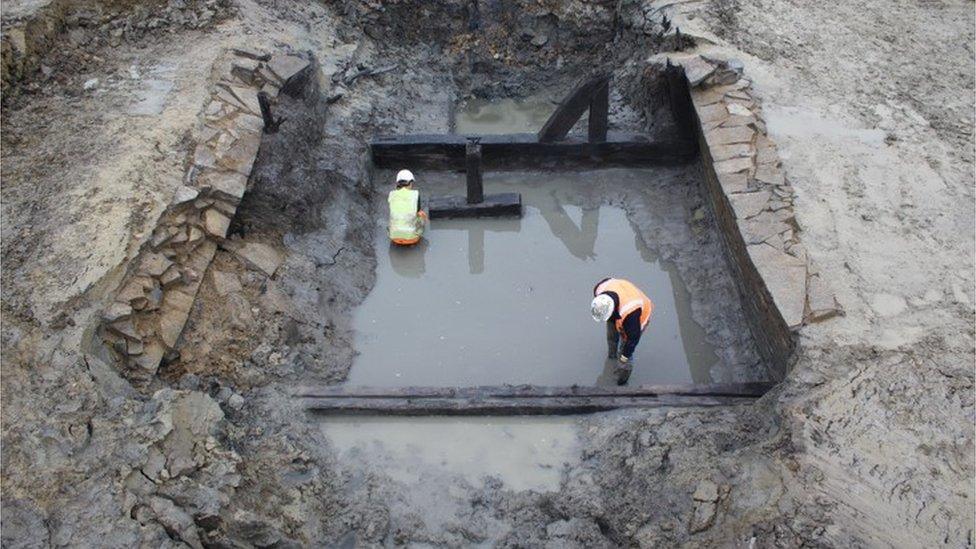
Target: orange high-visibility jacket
630,298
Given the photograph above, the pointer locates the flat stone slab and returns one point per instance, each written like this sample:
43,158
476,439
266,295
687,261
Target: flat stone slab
494,205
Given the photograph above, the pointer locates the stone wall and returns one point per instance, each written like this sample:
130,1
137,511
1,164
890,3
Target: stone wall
144,322
750,197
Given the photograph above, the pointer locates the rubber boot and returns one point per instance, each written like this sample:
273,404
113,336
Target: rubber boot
623,373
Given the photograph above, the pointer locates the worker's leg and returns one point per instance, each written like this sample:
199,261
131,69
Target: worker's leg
613,340
422,222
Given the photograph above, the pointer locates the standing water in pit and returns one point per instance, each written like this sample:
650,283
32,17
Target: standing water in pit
493,301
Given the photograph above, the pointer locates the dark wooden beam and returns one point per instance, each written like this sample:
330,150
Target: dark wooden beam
524,151
472,171
571,109
520,399
599,118
492,205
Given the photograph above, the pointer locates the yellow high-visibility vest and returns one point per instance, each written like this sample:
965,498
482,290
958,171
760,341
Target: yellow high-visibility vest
404,224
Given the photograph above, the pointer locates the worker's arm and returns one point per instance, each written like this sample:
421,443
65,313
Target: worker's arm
632,333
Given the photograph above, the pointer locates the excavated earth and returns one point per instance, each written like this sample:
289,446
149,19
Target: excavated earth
868,440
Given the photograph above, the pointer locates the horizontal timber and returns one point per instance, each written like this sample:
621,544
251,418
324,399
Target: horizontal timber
520,399
524,150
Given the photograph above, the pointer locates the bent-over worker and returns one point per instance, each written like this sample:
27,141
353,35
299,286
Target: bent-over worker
407,217
627,311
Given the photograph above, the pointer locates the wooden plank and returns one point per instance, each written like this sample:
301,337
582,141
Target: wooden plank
571,109
599,118
751,389
492,205
503,407
522,151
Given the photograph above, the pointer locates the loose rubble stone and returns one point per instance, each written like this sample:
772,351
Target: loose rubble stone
702,517
706,491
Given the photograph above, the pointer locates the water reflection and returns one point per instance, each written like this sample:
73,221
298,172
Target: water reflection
523,315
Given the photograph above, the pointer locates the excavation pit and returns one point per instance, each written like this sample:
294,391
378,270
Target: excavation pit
505,301
492,301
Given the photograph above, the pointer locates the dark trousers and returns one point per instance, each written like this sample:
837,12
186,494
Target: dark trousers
622,371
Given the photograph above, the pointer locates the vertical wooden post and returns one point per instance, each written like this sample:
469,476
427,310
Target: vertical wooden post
476,193
270,122
599,114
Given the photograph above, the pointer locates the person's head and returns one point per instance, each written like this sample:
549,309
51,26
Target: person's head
601,308
404,178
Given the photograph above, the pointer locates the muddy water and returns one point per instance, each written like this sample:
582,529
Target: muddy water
523,453
483,302
503,115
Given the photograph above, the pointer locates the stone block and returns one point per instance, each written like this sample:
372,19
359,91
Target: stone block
748,205
215,222
247,97
728,136
117,311
224,184
152,354
735,121
170,277
125,327
154,264
736,109
239,157
733,165
712,113
770,174
696,69
175,300
204,157
761,227
785,278
821,303
171,322
286,66
258,255
734,182
225,283
725,152
184,194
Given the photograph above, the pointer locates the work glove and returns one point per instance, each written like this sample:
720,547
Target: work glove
623,359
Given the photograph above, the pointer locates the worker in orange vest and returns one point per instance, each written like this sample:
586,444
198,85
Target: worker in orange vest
627,311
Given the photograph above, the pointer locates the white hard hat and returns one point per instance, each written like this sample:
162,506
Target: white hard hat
601,308
404,175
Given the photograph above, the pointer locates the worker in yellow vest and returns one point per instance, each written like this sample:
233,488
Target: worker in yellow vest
407,218
627,311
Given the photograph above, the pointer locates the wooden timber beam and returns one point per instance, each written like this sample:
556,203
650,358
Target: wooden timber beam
525,151
520,399
573,107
